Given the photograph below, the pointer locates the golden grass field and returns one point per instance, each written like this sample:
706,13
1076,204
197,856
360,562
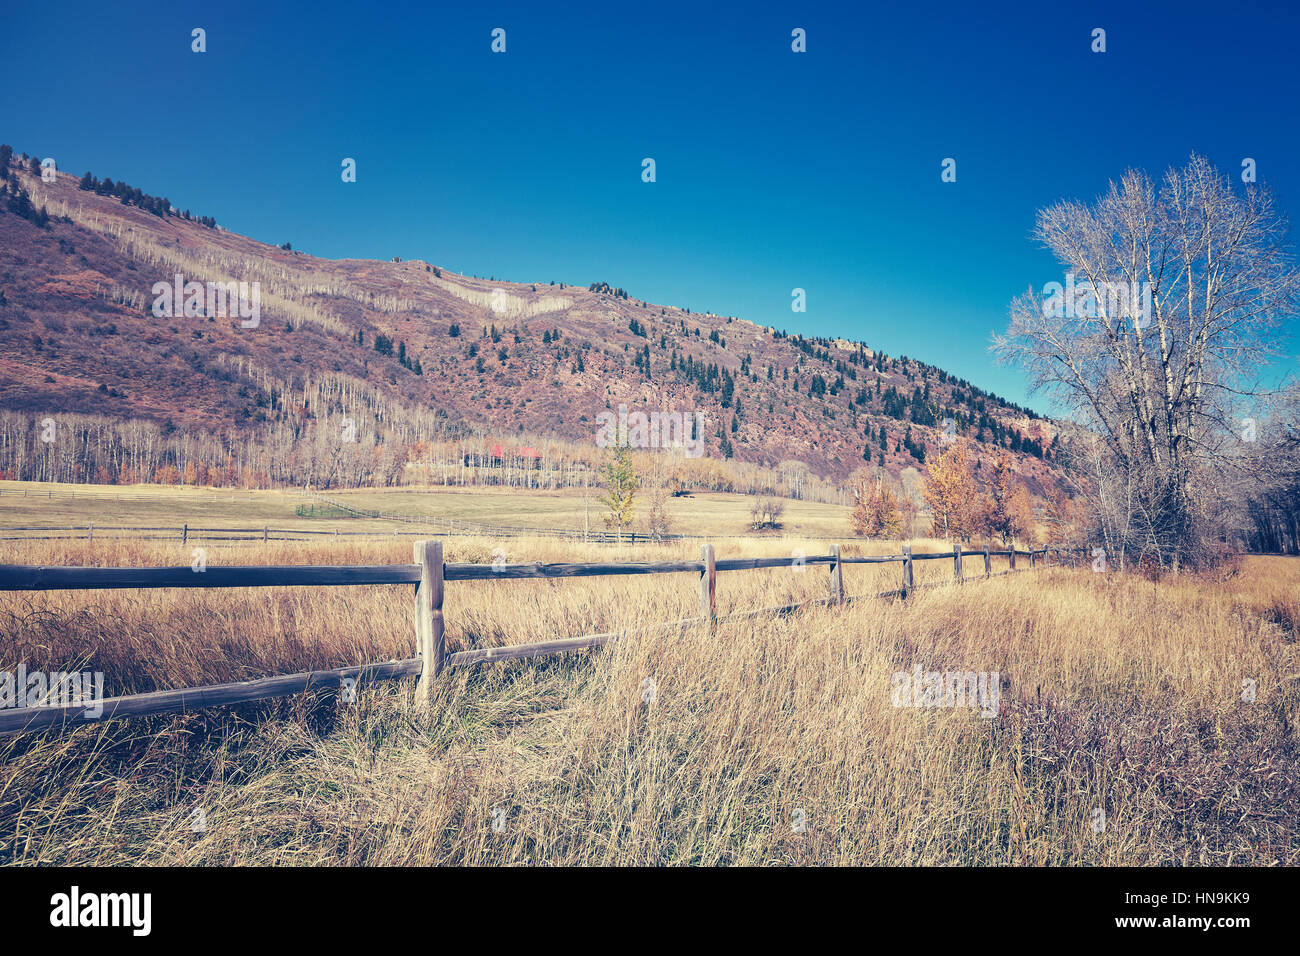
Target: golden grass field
48,504
1117,694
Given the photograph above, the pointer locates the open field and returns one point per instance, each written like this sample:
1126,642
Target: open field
1116,694
702,513
67,505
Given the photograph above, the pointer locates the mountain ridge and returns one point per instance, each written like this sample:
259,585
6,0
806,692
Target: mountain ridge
426,354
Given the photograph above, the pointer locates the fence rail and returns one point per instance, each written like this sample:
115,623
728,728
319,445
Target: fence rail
184,533
429,573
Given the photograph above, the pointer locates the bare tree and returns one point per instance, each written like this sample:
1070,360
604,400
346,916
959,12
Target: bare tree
658,478
1177,292
1270,497
766,513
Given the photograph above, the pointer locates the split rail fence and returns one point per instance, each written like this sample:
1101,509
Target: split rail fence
186,533
429,574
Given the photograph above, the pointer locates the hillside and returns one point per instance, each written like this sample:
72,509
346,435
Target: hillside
418,355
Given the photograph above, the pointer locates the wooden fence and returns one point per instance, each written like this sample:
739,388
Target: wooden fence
184,533
429,574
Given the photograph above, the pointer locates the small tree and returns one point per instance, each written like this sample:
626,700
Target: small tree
949,489
1062,516
875,509
860,516
621,485
658,521
1006,509
766,513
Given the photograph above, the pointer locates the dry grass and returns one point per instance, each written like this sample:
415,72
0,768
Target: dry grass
69,505
1117,694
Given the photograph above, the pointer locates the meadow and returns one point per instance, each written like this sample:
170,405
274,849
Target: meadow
768,740
51,505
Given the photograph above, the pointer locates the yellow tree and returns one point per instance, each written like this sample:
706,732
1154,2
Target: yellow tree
949,489
1007,510
875,509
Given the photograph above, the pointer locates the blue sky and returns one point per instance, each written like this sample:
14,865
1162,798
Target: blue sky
775,170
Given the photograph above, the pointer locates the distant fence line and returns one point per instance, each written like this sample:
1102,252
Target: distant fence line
429,574
458,526
428,522
205,493
184,533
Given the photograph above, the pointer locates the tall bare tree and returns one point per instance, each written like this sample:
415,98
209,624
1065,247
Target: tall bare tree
1178,291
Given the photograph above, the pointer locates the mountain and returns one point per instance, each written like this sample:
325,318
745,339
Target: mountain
416,354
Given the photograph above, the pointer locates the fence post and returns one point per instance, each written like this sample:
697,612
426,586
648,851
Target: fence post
708,585
1032,562
956,562
263,534
429,636
185,532
988,562
837,576
1012,555
907,570
90,532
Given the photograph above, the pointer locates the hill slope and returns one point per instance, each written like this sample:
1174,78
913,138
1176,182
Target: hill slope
417,354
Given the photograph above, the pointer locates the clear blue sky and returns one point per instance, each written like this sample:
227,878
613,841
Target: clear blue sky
775,170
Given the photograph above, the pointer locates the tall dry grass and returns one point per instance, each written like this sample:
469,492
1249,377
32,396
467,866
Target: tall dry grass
1117,694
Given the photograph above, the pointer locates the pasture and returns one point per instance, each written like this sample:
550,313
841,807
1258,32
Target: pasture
44,504
767,740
